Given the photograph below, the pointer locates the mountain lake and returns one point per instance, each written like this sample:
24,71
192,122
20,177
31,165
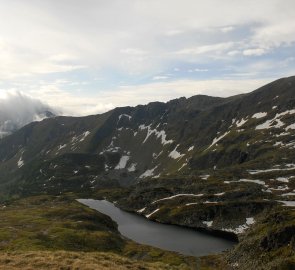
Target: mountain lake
169,237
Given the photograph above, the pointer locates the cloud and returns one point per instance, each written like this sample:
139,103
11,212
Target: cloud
132,95
20,62
17,110
132,42
233,53
88,32
255,52
173,32
155,78
199,70
227,29
215,48
134,51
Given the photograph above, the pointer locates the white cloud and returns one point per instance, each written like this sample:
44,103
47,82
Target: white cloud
17,110
201,70
132,95
276,33
134,51
86,30
227,29
41,39
233,53
215,48
173,32
19,62
256,52
155,78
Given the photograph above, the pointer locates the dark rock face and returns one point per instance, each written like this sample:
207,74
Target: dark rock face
284,237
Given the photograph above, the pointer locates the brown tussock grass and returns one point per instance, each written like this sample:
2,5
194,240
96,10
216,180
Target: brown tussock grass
64,260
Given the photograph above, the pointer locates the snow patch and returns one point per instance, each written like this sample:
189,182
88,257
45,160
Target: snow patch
217,139
61,147
270,123
178,195
288,194
259,182
288,203
283,179
241,122
282,134
159,134
175,154
182,166
209,202
265,125
20,162
219,194
84,135
188,204
285,113
292,126
259,115
132,167
191,148
148,173
124,115
149,215
289,167
208,223
280,188
249,221
141,210
122,163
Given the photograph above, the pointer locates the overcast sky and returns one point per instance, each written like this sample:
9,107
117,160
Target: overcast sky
88,56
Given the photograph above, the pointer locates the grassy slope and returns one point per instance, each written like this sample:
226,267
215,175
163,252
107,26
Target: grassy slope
73,260
269,245
52,232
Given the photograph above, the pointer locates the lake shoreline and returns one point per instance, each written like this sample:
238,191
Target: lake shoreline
189,241
218,233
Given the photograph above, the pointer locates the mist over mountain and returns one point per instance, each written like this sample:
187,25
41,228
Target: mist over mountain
18,110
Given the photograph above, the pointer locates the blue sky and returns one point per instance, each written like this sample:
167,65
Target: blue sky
89,56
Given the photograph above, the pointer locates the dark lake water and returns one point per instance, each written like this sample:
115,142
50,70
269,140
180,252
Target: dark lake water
168,237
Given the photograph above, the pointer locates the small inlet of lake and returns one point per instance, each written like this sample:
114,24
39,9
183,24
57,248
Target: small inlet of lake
169,237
